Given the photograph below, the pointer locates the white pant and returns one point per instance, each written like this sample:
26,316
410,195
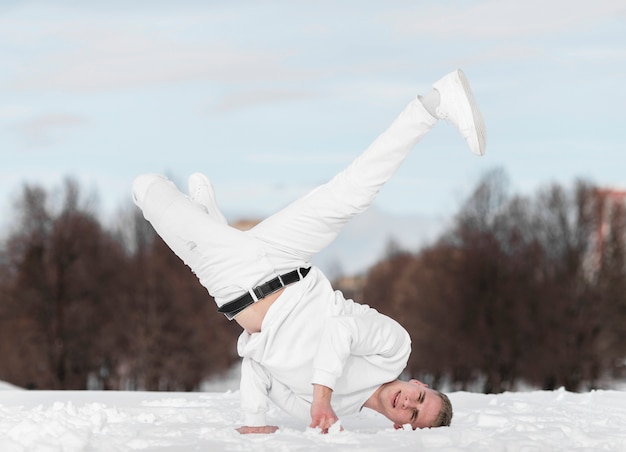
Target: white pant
229,262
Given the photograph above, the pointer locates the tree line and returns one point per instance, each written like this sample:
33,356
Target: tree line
518,289
84,306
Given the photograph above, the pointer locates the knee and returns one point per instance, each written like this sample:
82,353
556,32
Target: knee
142,183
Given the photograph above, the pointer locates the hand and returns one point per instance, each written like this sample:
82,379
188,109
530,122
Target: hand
245,430
322,413
322,416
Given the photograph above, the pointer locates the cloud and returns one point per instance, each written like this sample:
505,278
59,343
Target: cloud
599,54
97,69
44,130
243,99
299,159
503,18
14,111
111,53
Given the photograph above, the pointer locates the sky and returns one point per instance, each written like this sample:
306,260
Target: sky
270,99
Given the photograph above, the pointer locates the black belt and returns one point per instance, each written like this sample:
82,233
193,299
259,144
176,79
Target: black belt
232,308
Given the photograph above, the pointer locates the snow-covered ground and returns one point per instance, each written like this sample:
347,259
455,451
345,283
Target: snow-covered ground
54,421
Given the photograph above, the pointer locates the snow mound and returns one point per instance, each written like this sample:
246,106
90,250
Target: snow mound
130,421
4,386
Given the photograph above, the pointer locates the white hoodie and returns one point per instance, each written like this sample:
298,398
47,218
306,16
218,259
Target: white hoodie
312,334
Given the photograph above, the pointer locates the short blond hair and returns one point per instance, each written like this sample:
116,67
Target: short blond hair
444,418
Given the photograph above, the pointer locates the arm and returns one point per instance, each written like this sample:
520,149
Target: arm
322,413
255,386
365,334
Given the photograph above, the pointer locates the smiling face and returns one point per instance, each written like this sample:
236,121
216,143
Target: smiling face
407,402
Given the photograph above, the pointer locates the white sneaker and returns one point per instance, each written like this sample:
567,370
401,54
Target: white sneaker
459,107
201,192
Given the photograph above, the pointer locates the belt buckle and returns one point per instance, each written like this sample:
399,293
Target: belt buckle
258,291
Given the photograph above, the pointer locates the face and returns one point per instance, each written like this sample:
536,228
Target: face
409,402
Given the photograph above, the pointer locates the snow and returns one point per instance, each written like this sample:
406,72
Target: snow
67,421
4,386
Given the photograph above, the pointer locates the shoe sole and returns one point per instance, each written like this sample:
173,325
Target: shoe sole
477,117
196,189
203,186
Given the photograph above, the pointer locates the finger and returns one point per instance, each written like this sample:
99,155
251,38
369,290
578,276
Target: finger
335,427
317,421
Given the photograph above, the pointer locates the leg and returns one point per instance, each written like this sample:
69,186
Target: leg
229,262
226,261
309,224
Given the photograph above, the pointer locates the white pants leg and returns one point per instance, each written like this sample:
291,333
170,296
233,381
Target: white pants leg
229,262
309,224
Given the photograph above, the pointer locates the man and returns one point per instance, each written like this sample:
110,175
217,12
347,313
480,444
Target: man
304,346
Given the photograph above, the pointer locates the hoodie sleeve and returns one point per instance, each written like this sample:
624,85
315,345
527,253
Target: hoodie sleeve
258,388
255,387
368,334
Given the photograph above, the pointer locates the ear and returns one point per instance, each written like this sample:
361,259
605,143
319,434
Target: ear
397,426
417,382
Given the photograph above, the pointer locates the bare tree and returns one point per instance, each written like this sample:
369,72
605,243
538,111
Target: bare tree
612,286
62,266
177,338
515,290
507,295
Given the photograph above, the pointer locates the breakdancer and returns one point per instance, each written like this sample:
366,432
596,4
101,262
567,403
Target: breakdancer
304,346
